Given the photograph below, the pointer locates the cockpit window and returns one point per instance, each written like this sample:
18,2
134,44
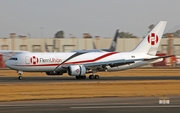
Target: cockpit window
13,59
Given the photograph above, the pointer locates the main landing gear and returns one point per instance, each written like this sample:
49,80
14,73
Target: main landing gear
90,77
20,75
93,76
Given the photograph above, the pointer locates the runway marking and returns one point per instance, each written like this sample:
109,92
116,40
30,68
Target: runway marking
29,105
102,107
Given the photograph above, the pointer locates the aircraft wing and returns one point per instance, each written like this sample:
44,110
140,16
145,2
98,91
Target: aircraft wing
107,63
122,62
113,63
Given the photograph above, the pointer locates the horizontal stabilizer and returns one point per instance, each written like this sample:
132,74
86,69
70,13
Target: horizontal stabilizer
159,57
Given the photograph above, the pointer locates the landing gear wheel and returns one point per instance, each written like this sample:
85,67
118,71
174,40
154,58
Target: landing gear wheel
78,77
91,76
20,77
83,77
96,77
20,73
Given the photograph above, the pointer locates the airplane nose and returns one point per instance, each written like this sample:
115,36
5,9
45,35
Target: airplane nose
7,63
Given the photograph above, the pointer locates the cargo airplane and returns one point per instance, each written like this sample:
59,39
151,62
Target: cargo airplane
80,63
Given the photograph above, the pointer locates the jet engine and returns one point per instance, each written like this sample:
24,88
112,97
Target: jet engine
76,70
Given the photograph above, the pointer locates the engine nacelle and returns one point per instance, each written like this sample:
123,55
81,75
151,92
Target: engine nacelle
76,70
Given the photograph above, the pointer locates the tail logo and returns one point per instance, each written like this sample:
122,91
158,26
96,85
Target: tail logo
34,60
153,39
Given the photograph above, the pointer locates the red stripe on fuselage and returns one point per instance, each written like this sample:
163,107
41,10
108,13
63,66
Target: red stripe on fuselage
93,60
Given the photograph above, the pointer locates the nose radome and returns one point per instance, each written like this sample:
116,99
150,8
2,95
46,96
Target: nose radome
7,63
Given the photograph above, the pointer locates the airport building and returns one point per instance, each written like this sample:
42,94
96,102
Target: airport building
168,46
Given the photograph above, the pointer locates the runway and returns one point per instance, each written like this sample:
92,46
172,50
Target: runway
70,79
89,105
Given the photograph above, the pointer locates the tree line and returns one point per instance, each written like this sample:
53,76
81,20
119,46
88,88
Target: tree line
60,34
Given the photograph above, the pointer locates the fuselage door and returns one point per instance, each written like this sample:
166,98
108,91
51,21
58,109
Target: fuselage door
27,60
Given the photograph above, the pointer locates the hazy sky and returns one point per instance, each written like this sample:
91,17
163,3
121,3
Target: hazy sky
97,17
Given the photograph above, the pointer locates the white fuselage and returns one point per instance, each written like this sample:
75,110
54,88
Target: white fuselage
44,62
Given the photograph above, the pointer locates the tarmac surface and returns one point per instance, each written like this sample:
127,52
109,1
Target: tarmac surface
72,79
89,105
99,105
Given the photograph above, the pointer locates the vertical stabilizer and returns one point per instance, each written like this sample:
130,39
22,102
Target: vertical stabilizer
94,45
150,43
114,42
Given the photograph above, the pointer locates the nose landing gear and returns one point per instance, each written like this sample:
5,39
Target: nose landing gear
20,75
